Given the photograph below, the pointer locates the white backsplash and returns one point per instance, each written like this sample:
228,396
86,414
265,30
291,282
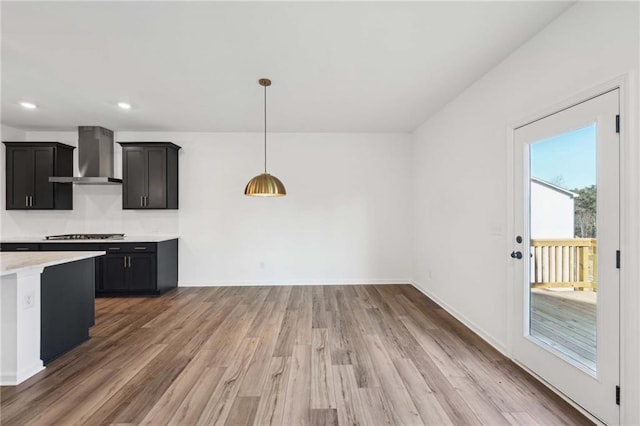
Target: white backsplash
96,209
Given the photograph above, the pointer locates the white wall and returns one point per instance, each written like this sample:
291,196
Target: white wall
8,133
344,220
552,212
461,252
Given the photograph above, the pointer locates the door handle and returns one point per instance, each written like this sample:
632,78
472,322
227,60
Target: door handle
516,254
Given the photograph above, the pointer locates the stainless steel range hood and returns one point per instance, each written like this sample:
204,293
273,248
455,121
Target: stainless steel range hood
95,158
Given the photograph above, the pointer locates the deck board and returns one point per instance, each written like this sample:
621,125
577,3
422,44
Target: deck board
567,323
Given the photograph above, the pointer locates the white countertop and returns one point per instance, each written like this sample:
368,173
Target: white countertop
13,262
127,239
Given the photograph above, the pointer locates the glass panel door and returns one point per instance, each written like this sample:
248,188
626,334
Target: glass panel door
566,219
563,222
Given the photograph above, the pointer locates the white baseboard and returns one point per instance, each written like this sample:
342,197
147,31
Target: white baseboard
291,282
13,379
460,317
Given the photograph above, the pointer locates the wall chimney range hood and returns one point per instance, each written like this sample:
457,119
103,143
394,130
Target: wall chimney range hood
95,158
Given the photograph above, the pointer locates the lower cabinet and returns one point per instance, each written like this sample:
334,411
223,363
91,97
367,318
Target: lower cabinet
142,271
114,273
129,272
138,268
146,268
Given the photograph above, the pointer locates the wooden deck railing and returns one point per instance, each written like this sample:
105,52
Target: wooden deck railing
564,263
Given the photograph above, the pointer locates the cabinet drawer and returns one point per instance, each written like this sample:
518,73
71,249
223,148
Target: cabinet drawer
75,246
130,248
19,247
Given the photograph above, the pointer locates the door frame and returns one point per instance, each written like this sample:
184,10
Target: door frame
629,235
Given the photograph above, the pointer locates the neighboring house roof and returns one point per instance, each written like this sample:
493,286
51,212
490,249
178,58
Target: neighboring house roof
555,187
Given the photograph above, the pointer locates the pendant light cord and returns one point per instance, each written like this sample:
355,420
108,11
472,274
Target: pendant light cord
265,129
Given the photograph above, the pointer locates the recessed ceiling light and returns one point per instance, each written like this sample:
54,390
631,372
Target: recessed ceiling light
28,105
124,105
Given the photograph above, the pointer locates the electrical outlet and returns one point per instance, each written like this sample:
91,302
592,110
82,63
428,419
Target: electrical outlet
29,299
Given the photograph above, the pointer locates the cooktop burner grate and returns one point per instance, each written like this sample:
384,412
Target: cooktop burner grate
85,237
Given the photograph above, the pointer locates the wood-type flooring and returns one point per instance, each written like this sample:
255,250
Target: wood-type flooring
321,355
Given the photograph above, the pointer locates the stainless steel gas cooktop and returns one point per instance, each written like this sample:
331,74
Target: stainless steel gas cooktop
85,237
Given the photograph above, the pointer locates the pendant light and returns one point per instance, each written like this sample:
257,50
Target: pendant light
265,185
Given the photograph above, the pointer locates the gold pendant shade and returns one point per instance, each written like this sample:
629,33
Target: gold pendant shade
265,185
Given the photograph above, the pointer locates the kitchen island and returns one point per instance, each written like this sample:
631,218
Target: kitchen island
47,307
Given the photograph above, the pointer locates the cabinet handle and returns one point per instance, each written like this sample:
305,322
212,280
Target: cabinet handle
146,201
140,248
26,201
125,261
31,201
129,261
114,248
22,248
141,201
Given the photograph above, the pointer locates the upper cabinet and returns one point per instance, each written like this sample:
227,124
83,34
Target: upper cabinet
149,175
28,168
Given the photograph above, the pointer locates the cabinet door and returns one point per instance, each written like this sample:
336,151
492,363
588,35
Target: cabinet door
114,272
142,271
43,169
134,178
19,177
156,164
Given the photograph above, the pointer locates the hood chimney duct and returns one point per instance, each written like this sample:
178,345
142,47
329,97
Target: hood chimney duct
95,158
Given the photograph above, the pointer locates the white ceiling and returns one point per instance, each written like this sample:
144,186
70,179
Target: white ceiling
194,66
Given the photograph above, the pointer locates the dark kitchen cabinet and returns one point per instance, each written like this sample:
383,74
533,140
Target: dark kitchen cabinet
142,272
138,268
149,175
20,247
129,272
114,273
28,168
127,268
